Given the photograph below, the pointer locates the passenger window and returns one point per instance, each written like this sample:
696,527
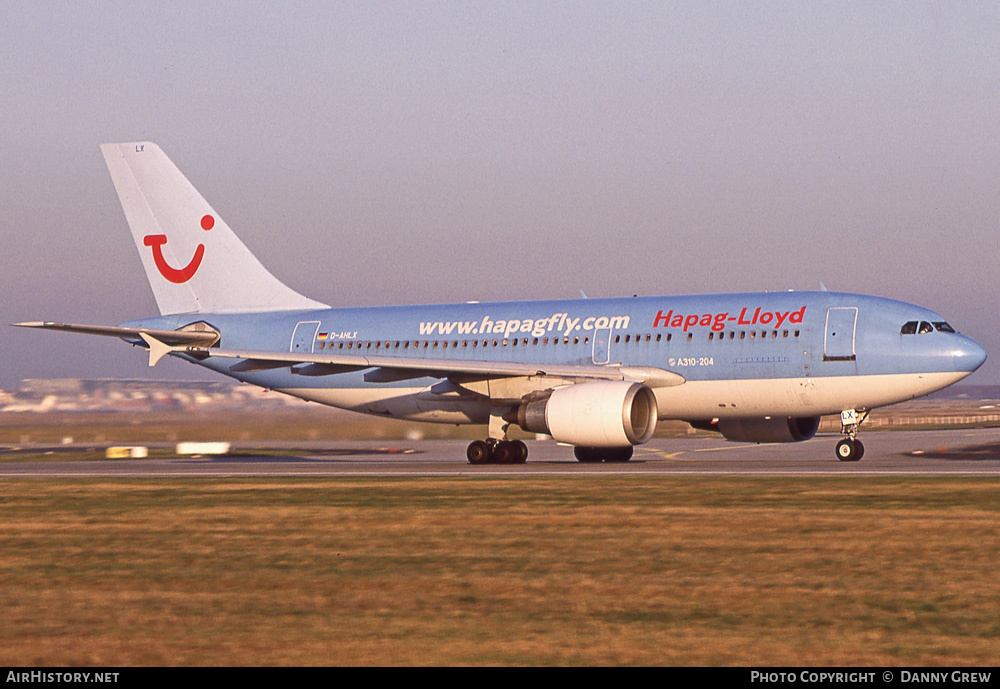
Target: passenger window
909,328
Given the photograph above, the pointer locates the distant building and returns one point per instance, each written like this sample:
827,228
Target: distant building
137,395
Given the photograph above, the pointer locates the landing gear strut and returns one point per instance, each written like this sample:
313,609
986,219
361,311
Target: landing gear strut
850,449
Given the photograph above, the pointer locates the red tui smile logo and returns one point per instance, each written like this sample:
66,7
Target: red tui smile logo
177,275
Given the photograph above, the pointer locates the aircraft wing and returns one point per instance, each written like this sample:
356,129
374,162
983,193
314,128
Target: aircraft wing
412,367
389,368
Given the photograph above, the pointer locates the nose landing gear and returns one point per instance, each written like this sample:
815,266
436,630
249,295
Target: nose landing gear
850,449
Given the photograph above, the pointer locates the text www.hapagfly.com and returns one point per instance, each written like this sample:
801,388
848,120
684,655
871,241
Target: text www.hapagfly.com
559,323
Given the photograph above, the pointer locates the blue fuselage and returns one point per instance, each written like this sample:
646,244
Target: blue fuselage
793,339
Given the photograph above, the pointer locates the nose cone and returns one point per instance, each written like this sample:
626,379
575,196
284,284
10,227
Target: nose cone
968,355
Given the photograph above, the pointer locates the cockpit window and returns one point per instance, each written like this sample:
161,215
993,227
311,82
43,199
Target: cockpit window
921,327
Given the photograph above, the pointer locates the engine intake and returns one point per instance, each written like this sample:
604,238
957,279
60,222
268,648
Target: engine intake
599,414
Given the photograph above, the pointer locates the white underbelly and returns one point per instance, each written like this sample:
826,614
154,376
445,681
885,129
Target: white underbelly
795,396
691,400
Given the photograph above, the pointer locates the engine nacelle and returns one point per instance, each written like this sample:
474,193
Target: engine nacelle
777,429
599,414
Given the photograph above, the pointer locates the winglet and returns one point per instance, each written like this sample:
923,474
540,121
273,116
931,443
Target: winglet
157,349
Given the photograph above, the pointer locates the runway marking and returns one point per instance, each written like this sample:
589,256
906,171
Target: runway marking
676,455
647,452
722,448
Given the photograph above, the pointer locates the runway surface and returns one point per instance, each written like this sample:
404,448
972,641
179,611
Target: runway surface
967,452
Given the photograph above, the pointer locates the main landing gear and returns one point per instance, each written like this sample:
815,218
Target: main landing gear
497,449
850,449
492,451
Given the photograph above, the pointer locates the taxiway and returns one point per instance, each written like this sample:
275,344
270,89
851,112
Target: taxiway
931,453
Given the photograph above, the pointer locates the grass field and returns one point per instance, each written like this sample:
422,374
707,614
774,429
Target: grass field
585,570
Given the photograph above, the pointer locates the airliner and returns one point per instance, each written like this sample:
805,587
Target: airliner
596,374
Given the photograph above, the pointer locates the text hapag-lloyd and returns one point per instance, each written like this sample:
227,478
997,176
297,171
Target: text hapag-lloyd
719,321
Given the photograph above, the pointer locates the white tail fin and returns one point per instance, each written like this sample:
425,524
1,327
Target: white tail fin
193,261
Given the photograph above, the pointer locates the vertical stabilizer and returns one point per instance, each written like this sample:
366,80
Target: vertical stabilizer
193,261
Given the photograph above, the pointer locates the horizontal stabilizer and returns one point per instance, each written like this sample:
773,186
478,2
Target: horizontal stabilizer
159,342
171,337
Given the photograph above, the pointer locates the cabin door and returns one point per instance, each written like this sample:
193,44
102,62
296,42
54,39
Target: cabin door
304,337
841,323
602,346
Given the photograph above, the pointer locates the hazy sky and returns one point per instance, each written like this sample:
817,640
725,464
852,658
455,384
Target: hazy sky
382,153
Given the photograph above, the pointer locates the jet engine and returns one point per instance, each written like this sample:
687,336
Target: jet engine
598,414
775,429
